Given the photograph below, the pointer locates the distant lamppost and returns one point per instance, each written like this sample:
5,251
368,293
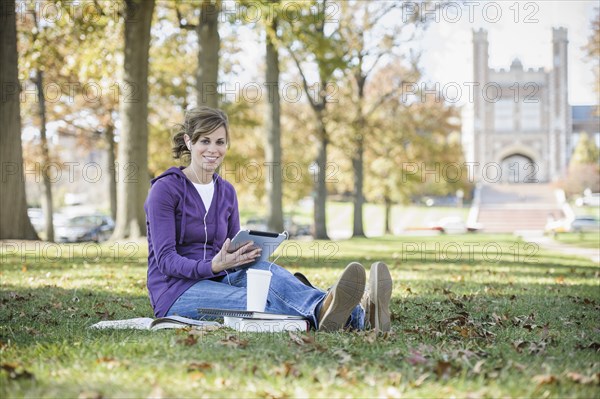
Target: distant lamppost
460,194
313,168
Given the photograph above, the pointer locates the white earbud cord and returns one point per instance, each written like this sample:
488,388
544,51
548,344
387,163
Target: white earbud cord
206,230
287,235
205,215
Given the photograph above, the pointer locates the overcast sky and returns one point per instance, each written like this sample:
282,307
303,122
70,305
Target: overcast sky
447,44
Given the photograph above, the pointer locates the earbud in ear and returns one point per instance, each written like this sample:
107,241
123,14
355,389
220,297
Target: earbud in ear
189,146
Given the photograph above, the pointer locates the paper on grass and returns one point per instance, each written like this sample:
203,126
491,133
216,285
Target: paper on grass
147,323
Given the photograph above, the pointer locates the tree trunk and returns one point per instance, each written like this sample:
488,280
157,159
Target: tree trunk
388,215
132,186
273,181
207,74
47,197
14,221
357,166
357,159
320,217
112,181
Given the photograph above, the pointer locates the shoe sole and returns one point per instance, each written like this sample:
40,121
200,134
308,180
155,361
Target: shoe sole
347,293
381,285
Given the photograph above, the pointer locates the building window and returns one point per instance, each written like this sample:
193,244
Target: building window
504,115
530,116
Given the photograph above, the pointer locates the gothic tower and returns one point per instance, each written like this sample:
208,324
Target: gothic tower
480,70
521,117
560,116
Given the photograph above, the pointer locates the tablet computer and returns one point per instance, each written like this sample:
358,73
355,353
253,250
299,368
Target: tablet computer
263,239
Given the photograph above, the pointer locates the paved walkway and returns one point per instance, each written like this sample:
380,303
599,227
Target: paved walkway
549,244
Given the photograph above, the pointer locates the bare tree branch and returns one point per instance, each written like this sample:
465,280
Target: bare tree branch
186,26
312,101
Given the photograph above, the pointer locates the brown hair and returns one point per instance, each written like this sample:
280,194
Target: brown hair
198,122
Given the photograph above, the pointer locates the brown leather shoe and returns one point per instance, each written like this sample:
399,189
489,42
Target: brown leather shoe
376,301
342,298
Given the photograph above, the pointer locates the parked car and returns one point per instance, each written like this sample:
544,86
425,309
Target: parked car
585,224
294,229
93,227
259,224
36,215
450,225
580,224
591,199
454,225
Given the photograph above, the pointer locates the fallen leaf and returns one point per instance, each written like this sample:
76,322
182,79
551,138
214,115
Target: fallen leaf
157,392
477,367
544,379
16,371
582,379
370,336
199,366
519,366
537,347
395,378
196,375
234,341
109,362
419,381
594,346
393,352
16,297
106,315
466,332
344,357
343,373
301,340
90,395
188,340
32,331
545,331
127,305
443,369
287,369
307,341
519,345
416,358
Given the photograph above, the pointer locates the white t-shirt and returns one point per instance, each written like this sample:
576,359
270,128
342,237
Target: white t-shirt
206,192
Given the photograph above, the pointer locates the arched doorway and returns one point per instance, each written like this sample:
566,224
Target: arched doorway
518,168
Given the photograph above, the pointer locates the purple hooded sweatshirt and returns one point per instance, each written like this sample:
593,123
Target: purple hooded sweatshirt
176,220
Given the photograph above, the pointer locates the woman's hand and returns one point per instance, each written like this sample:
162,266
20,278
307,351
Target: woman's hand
225,260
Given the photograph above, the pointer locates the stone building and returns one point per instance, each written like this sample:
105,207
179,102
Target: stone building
522,120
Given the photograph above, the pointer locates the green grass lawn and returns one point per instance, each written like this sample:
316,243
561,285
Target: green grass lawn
583,240
340,216
473,316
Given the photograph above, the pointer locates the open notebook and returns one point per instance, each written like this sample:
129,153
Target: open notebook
147,323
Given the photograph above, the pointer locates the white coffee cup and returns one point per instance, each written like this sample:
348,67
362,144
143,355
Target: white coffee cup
257,289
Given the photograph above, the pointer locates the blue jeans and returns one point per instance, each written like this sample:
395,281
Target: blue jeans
287,295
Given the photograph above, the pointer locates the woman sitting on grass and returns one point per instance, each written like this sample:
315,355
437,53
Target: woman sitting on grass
192,215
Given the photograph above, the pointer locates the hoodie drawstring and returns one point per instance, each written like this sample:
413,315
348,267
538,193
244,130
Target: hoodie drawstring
183,211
